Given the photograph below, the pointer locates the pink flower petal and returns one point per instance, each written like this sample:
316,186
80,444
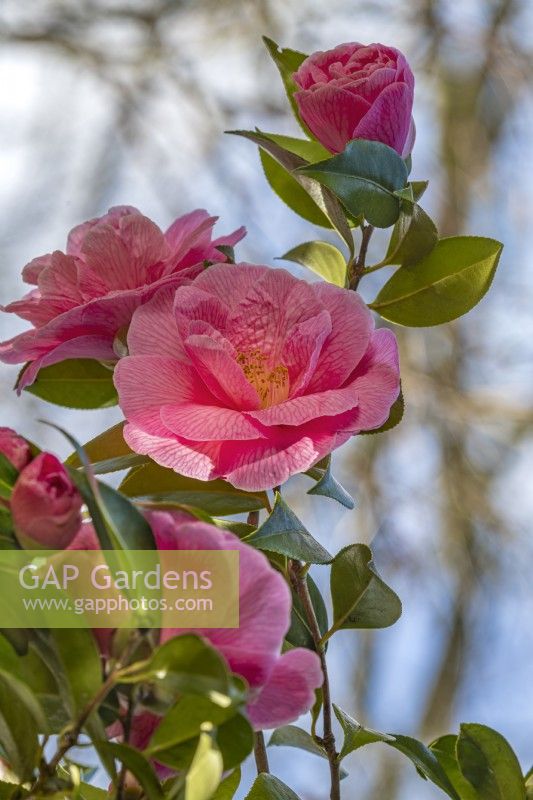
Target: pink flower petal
376,381
289,691
207,423
389,118
348,341
332,114
195,459
147,383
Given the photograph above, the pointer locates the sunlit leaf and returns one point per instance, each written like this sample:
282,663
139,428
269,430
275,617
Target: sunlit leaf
322,258
444,285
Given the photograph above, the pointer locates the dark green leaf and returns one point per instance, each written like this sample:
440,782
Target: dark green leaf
395,417
138,765
76,383
413,236
425,761
235,739
108,452
328,486
287,61
267,787
488,762
446,284
18,733
79,663
229,786
186,664
185,719
322,258
216,497
292,736
444,749
364,177
355,735
361,599
283,533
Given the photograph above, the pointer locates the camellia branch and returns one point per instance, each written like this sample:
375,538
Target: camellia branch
298,577
357,269
260,753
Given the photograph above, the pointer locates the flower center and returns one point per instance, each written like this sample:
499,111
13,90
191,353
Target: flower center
271,384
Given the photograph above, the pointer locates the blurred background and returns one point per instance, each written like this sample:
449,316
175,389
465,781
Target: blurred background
126,101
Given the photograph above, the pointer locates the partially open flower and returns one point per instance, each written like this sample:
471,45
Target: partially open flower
357,91
45,504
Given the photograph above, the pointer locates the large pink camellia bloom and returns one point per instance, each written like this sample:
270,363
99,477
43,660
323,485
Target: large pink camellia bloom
87,295
357,91
252,375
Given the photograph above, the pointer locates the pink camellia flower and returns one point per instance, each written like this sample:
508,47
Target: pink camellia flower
281,686
357,91
15,448
252,375
85,297
45,505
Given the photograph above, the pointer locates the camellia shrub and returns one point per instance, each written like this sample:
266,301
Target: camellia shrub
232,378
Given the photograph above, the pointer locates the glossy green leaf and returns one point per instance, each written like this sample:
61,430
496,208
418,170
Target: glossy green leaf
321,258
361,599
444,749
425,762
76,383
138,765
364,177
79,664
413,236
394,419
152,482
186,664
267,787
488,762
355,735
205,771
22,695
185,719
108,452
327,486
446,284
229,786
18,732
292,736
287,61
235,739
283,533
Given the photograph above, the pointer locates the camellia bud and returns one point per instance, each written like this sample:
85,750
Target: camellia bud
45,505
15,448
